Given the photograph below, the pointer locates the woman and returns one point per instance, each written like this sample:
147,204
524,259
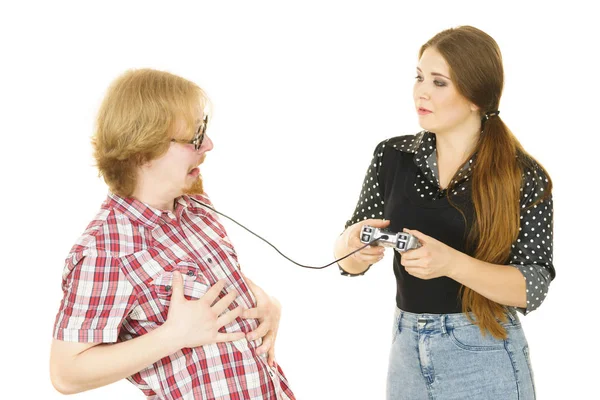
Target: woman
481,208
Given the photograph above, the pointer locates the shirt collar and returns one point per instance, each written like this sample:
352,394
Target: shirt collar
425,158
186,203
143,213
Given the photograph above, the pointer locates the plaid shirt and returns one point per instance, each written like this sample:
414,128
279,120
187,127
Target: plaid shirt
117,282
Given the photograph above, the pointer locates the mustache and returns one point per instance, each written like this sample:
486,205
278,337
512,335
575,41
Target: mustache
199,162
197,165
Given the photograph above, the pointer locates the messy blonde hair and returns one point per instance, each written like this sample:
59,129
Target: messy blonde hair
136,122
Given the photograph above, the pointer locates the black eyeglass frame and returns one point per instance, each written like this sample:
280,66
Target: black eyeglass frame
198,137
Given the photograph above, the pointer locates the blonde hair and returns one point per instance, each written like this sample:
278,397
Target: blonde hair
136,122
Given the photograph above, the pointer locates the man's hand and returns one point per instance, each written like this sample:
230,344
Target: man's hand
268,313
193,323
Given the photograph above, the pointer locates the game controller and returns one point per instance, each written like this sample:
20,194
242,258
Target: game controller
400,241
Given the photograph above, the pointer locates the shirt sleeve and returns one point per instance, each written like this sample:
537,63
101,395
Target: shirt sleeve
97,298
370,202
531,253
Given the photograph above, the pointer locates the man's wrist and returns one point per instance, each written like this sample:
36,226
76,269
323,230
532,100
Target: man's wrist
168,338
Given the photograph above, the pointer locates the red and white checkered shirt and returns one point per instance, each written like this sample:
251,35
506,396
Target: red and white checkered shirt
116,285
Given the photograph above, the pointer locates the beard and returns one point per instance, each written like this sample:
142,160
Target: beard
196,188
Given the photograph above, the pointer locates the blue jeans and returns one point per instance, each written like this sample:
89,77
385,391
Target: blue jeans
445,356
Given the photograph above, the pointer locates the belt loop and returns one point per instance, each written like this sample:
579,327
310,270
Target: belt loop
511,316
443,322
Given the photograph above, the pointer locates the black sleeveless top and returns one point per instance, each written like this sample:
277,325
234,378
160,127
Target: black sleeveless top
401,185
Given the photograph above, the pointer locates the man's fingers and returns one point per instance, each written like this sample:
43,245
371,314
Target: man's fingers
271,357
213,292
229,316
177,286
250,281
229,337
253,313
259,332
224,303
266,345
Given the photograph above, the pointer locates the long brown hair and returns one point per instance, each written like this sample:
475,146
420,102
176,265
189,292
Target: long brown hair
475,65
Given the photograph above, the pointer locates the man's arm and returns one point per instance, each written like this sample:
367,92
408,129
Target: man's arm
77,367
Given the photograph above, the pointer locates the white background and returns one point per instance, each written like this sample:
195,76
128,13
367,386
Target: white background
302,92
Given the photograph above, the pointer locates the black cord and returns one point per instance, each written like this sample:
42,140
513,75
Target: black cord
276,249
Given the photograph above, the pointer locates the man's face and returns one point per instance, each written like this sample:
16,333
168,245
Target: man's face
178,170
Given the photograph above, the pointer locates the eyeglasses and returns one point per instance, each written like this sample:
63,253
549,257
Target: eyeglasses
198,137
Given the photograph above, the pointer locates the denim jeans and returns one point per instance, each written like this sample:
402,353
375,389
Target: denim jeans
445,356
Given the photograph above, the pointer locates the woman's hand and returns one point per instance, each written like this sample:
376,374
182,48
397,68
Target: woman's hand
432,260
351,239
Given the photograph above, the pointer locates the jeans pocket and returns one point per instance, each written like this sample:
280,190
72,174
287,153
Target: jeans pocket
470,338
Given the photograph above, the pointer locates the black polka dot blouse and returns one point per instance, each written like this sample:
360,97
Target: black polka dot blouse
402,185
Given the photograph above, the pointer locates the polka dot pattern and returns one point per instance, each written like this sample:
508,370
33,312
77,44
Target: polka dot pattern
370,204
531,253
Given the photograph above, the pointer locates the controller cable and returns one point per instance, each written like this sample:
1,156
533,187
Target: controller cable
276,249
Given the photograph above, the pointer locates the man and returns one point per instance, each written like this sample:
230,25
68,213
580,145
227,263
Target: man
153,291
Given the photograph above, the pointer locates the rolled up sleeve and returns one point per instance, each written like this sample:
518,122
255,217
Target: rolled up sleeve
97,298
531,253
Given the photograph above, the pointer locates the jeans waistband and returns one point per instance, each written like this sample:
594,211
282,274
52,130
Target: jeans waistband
443,322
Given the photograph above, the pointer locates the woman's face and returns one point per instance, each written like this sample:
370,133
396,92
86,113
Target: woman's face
441,108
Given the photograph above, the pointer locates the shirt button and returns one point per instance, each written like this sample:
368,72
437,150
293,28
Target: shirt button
209,260
190,273
168,288
271,373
